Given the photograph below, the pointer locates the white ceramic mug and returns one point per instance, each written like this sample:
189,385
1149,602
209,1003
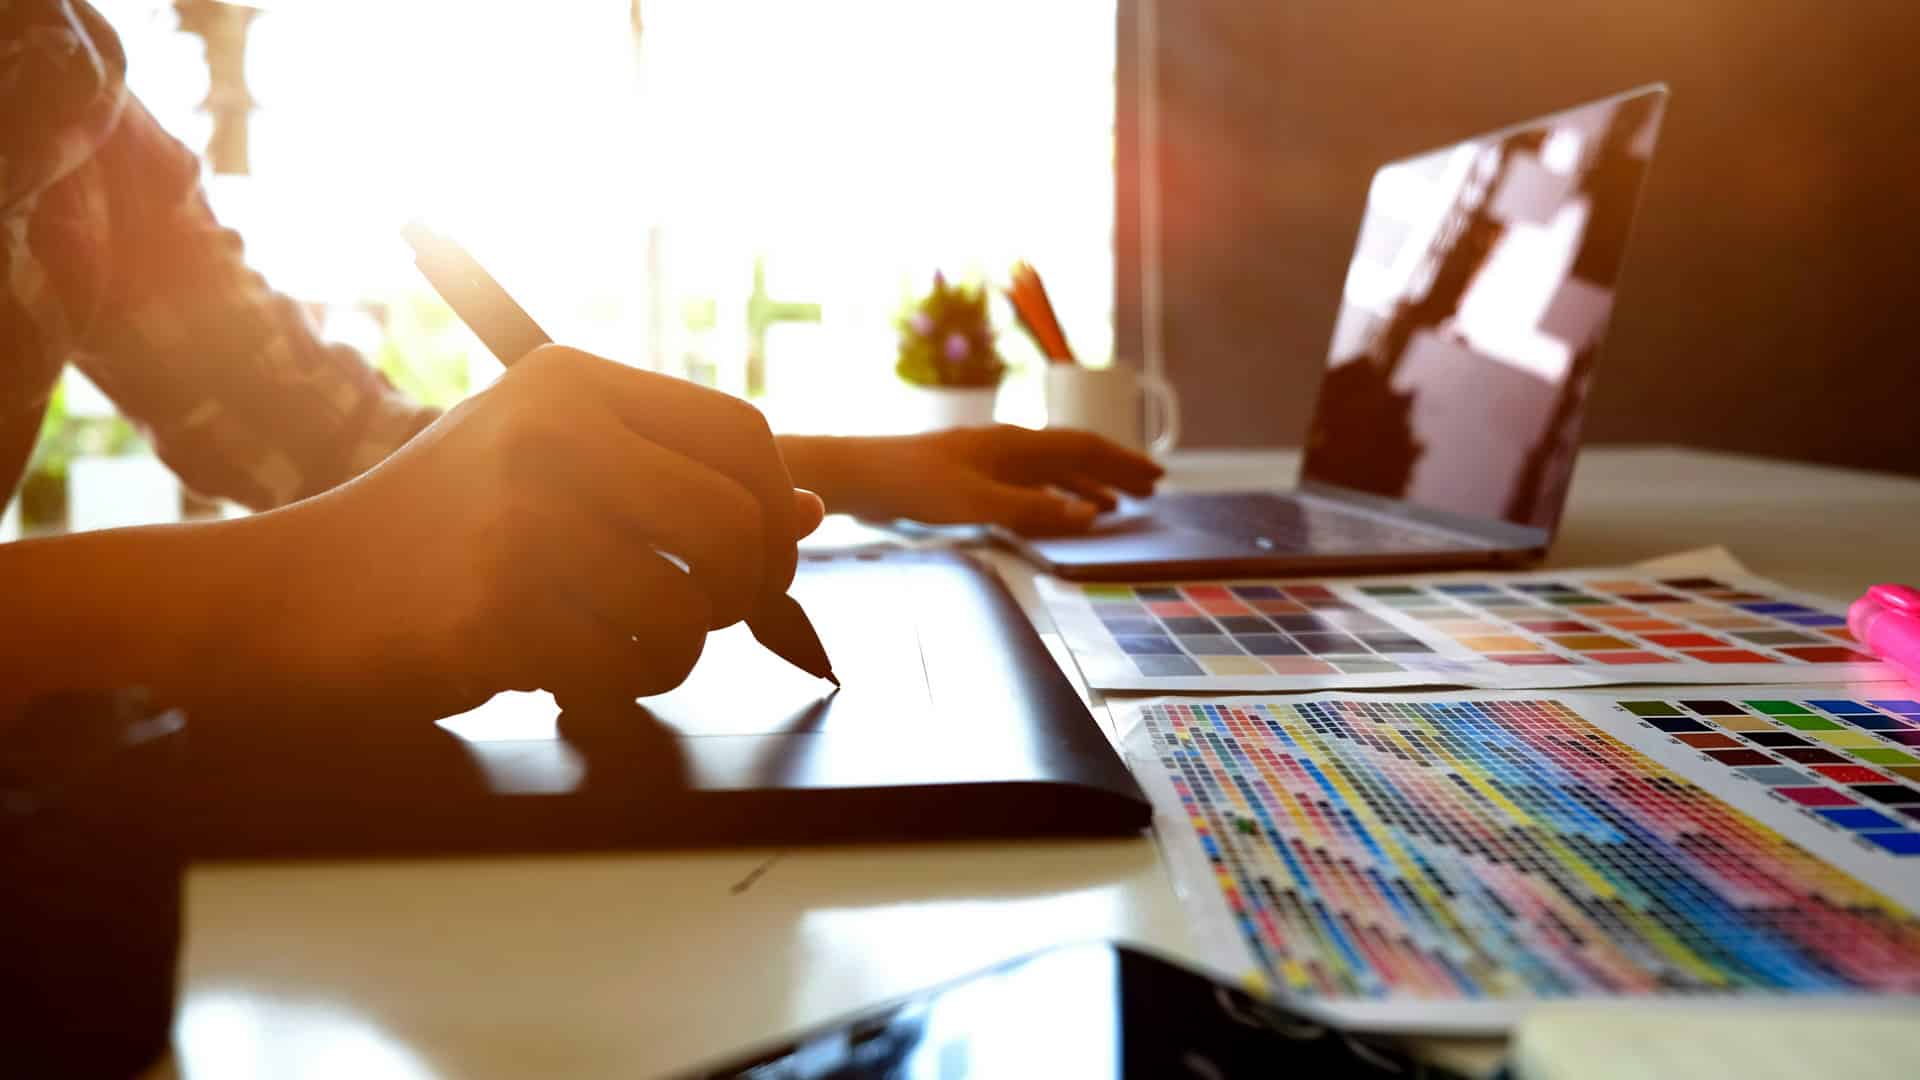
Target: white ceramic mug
1135,409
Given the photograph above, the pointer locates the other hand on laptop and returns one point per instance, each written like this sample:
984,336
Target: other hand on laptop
1034,482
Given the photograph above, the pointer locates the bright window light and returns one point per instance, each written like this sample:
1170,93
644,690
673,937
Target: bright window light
626,186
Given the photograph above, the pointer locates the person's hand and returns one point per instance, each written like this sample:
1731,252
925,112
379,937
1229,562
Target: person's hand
517,543
1033,482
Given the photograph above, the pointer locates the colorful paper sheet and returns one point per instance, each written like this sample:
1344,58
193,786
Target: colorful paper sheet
1511,631
1440,862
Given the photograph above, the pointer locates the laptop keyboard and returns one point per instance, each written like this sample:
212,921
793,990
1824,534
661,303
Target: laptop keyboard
1286,523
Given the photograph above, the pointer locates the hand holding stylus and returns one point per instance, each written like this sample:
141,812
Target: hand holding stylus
514,544
776,620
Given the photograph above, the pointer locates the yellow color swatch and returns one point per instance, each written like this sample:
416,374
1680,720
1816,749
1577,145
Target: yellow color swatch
1500,643
1231,665
1848,739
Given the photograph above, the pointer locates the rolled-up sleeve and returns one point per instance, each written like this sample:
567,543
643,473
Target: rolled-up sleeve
226,376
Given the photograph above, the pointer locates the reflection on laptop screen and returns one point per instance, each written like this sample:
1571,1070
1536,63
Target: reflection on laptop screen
1474,310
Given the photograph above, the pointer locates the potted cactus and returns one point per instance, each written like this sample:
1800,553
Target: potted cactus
947,355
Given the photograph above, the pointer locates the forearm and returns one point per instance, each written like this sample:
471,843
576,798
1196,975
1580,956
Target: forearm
230,379
193,613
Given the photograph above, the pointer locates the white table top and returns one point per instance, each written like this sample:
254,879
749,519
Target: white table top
631,965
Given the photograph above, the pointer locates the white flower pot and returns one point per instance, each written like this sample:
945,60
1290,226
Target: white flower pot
936,408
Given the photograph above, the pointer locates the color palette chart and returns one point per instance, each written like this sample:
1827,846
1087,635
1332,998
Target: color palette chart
1436,862
1849,764
1577,628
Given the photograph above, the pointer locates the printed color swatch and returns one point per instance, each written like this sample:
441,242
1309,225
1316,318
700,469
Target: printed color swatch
1280,629
1470,850
1853,766
1625,621
1496,631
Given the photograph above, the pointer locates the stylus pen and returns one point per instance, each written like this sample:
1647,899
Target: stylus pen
510,333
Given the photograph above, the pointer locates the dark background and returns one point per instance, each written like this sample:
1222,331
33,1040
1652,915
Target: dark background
1771,288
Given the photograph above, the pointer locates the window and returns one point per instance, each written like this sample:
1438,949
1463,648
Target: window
677,185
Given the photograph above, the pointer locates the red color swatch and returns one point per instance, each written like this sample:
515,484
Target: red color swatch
1729,656
1815,796
1850,774
1827,654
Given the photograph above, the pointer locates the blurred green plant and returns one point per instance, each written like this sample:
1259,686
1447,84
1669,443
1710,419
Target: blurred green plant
763,311
424,348
947,338
63,437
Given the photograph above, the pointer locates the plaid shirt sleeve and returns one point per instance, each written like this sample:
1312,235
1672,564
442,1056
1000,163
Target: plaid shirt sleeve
239,396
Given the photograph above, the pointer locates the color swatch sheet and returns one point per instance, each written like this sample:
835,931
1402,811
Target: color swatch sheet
1505,631
1440,862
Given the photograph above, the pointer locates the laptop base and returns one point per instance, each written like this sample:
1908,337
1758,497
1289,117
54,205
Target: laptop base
1179,537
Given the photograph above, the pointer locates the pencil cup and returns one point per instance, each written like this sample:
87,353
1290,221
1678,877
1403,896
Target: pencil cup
1138,410
936,408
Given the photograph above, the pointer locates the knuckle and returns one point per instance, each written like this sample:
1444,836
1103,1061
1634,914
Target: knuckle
551,378
550,356
746,428
748,416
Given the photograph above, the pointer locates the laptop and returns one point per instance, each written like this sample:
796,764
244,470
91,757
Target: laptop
1444,435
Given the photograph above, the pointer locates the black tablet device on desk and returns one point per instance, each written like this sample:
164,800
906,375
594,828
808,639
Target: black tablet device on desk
1095,1011
953,721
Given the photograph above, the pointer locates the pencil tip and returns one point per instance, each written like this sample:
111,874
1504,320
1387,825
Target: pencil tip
834,679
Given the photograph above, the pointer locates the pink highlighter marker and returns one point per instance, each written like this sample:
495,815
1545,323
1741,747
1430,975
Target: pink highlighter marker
1887,622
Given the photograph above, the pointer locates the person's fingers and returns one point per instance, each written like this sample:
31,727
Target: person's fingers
1058,452
612,622
809,510
718,430
654,497
693,513
566,648
663,611
1093,491
628,585
1030,511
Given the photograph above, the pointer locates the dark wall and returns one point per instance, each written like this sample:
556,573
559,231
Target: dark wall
1771,297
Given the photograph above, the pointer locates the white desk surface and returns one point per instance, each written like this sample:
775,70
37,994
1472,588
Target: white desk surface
631,965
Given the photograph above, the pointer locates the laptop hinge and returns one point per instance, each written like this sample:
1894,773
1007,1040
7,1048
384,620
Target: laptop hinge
1478,531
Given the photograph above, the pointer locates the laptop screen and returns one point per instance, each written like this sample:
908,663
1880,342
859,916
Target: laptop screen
1474,312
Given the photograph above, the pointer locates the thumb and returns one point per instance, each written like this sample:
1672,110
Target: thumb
1034,511
809,510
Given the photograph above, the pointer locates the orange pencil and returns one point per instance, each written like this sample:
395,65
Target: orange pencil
1035,311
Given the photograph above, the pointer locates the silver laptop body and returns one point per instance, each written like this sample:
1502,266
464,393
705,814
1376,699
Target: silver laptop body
1448,420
